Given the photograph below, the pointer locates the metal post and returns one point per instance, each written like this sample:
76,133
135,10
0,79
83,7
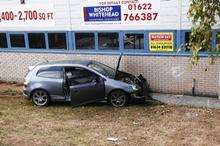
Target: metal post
22,1
219,86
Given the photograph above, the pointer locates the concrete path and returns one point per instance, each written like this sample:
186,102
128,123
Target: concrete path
187,100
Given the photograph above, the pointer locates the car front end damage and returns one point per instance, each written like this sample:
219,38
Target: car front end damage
139,85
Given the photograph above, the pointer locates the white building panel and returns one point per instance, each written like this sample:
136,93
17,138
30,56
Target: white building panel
185,21
69,15
168,13
60,12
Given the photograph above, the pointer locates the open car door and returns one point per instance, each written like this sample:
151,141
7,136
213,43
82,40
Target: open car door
85,86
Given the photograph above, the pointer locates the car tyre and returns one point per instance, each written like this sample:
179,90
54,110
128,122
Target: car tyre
118,98
40,97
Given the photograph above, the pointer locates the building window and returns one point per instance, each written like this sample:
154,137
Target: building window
108,41
218,41
3,40
187,41
36,40
85,40
57,40
17,40
134,41
187,45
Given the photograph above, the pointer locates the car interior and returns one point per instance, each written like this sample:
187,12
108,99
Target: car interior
76,76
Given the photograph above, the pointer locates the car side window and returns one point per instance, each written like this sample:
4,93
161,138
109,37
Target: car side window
76,76
50,72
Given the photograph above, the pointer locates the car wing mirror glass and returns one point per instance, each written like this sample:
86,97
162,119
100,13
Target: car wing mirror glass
99,79
95,80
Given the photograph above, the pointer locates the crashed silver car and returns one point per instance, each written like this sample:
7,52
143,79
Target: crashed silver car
82,82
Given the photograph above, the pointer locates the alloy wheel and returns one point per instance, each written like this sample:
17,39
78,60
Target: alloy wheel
40,98
118,98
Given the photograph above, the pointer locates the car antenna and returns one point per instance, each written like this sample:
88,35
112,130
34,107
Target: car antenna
118,64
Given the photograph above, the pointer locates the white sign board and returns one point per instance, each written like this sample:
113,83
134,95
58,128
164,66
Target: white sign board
32,15
121,12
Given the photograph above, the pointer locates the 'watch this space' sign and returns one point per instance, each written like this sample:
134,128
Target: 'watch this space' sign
161,42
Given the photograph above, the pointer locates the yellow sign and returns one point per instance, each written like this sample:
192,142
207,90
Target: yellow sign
161,42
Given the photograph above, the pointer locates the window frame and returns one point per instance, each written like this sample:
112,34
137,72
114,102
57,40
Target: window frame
184,42
40,49
213,42
113,49
214,37
58,49
25,41
183,34
146,41
7,41
179,37
84,49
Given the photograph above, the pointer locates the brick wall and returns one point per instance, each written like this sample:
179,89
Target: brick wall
164,74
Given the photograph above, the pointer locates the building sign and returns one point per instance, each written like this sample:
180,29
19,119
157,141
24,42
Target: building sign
103,13
40,15
121,12
161,42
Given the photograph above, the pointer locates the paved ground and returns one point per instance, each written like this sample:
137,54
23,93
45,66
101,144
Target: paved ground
188,100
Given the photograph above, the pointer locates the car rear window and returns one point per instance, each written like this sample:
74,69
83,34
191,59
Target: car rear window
50,72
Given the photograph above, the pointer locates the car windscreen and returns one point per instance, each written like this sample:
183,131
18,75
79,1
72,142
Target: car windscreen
103,69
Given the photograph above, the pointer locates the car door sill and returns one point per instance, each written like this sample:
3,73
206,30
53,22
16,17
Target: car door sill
77,105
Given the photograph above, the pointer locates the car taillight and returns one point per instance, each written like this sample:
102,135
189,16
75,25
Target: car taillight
25,84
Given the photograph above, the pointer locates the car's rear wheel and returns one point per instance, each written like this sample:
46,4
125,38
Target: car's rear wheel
118,98
40,98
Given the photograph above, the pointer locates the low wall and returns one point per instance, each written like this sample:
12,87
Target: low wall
164,74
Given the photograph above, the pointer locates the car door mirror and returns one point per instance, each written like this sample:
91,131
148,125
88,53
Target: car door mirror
95,80
98,79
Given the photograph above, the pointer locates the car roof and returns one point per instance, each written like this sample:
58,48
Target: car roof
68,62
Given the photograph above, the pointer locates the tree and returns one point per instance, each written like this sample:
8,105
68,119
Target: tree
204,15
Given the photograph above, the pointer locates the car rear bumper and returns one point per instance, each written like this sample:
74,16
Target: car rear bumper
26,94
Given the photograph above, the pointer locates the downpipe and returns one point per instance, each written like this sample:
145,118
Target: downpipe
219,86
194,87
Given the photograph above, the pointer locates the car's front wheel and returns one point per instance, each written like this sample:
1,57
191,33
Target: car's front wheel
40,98
118,98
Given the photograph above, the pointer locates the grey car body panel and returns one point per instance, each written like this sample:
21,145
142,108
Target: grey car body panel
112,84
54,87
89,92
